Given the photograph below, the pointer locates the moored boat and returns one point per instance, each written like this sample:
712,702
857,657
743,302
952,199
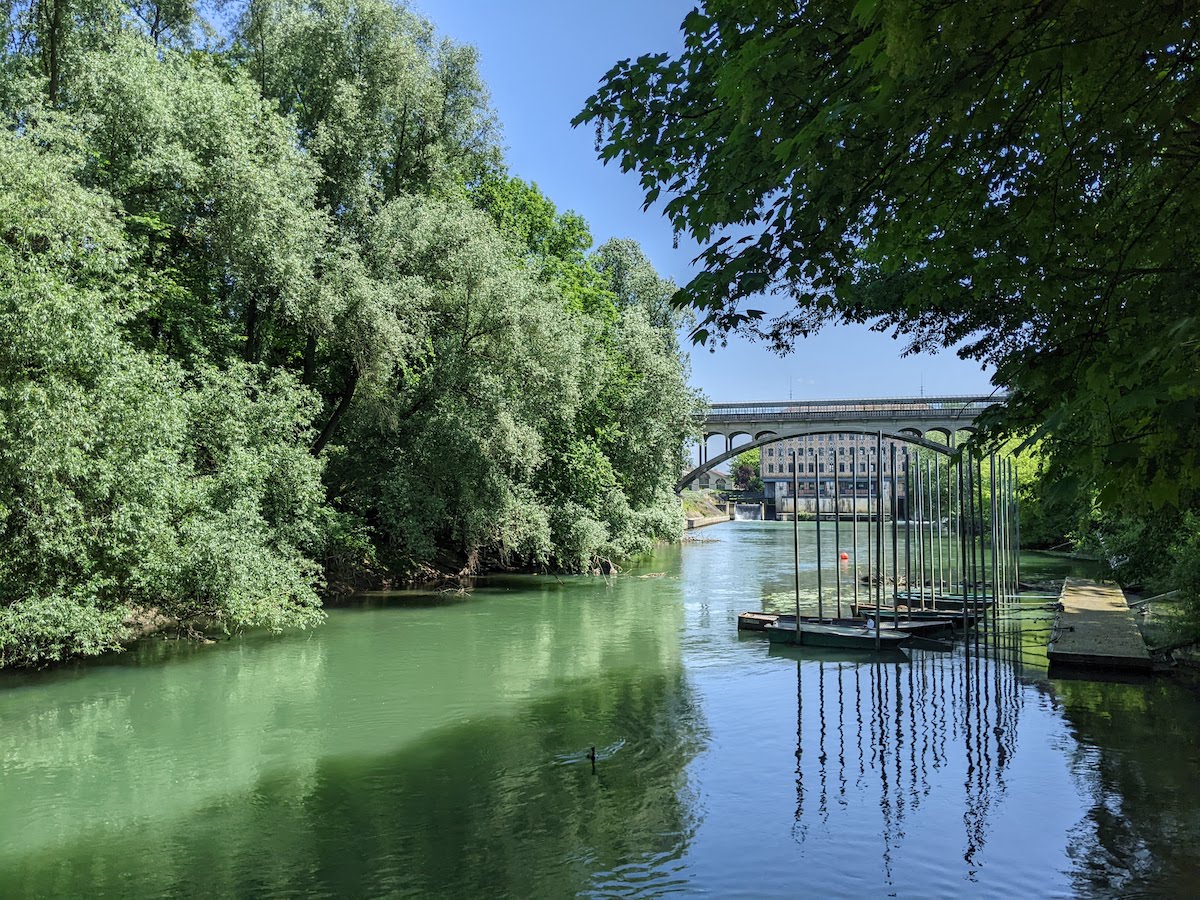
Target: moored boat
857,637
959,618
758,621
943,601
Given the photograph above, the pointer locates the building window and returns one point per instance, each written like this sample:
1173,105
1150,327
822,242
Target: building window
770,451
791,467
841,467
771,467
822,467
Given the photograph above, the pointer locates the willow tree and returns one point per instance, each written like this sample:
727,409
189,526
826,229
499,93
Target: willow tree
1016,181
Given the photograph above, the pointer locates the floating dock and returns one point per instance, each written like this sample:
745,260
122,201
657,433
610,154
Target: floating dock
1096,629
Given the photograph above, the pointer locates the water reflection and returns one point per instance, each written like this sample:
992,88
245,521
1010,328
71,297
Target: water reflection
893,726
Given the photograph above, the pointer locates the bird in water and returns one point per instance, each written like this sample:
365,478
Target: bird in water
592,756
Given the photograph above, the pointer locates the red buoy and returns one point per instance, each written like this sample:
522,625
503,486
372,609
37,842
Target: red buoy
845,555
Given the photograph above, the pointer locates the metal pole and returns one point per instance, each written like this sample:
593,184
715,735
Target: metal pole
854,516
995,533
870,525
937,513
837,528
920,510
951,523
929,527
907,528
820,588
970,500
1008,525
962,535
1017,522
895,547
796,530
982,557
879,533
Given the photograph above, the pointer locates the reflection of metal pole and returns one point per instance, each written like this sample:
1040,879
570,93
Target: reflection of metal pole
837,528
796,532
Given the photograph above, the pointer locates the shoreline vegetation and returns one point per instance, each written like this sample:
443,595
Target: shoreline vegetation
278,320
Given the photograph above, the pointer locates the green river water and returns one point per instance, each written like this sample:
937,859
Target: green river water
436,746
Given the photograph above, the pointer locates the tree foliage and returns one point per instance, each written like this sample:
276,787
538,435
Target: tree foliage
746,470
275,315
1013,180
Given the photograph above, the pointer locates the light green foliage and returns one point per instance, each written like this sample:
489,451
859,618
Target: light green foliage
124,483
1012,180
384,106
273,315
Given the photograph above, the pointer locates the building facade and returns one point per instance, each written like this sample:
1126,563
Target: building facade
847,460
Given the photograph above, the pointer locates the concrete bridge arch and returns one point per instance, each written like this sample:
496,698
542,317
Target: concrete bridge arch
909,420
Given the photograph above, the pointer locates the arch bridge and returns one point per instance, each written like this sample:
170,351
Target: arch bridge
905,418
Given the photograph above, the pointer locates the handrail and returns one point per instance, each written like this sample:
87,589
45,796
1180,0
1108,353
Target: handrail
864,409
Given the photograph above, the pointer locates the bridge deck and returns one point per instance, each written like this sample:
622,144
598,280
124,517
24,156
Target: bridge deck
1096,629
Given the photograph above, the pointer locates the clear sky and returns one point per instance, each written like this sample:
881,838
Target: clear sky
542,59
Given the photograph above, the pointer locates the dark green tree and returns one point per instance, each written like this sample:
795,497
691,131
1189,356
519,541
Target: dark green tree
1015,181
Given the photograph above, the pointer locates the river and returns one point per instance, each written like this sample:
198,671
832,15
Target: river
436,745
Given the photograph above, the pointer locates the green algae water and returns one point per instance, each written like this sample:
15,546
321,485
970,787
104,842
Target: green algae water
437,745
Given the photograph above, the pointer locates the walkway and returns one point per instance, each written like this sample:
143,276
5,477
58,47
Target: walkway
1096,629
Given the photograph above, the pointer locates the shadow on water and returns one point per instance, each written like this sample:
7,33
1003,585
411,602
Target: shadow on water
1139,752
486,806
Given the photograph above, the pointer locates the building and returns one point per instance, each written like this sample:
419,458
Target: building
715,479
848,458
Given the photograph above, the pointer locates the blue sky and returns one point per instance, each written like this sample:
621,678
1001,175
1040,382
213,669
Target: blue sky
541,60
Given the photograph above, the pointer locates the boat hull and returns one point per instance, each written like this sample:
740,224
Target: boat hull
841,637
958,618
951,601
757,621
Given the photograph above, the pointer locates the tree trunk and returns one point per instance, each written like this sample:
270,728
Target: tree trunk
52,53
338,411
310,361
252,330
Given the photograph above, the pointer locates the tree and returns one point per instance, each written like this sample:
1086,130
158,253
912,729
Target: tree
1012,180
126,483
746,470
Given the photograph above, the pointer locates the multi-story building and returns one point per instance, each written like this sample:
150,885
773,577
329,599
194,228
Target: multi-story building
823,458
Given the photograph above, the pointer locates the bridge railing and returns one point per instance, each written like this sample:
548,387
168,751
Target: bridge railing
790,411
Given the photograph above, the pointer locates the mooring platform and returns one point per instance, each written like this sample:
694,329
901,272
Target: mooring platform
1096,629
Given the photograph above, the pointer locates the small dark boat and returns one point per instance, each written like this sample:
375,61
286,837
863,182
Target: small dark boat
758,621
944,601
960,619
844,637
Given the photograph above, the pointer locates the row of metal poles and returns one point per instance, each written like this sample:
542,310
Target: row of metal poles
961,545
